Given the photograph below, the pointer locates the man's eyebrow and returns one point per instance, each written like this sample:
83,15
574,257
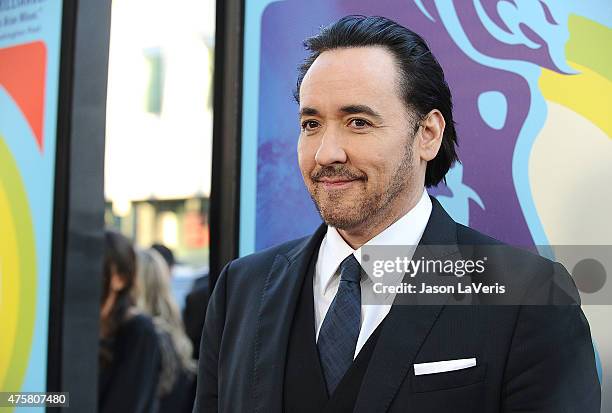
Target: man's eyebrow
348,110
307,111
357,109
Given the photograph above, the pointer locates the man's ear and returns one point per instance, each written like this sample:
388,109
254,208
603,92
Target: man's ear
430,138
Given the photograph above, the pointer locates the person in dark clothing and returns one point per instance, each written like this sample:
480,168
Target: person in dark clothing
129,357
177,377
166,254
194,313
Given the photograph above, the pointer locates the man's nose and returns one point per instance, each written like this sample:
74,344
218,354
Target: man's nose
330,149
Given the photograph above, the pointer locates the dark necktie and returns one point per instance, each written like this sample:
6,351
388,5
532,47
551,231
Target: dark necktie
340,328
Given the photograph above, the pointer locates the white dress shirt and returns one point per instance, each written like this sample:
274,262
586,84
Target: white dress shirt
333,250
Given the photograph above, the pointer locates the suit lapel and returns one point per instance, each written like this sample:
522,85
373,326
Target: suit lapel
403,333
277,306
406,326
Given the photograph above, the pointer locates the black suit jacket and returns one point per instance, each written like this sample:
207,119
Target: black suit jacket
194,313
530,358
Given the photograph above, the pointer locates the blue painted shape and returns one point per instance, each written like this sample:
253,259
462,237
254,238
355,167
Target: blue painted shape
532,125
532,14
598,363
458,204
250,85
493,108
419,4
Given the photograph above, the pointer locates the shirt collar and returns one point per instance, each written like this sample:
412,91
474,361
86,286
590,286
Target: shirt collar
405,231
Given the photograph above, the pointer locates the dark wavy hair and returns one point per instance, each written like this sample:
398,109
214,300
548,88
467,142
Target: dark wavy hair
422,86
119,257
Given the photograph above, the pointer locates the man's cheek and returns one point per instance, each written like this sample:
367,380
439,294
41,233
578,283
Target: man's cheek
306,167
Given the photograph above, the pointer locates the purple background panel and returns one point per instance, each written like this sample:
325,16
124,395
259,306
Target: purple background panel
284,210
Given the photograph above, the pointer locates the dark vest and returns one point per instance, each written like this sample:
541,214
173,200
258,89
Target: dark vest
304,387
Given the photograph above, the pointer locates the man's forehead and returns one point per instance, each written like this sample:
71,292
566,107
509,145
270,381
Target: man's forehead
348,76
368,58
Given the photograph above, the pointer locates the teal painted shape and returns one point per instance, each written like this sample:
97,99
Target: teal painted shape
493,108
458,205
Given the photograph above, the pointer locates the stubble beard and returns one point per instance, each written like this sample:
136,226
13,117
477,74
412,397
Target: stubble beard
369,209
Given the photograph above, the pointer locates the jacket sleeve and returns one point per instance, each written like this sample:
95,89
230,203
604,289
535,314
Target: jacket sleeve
207,393
551,365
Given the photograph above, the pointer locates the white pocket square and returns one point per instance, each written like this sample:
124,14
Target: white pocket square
442,366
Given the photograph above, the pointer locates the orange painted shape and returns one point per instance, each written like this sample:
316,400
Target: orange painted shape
22,74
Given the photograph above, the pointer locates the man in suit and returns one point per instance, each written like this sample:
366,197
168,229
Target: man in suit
290,328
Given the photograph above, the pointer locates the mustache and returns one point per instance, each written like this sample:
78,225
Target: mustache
335,171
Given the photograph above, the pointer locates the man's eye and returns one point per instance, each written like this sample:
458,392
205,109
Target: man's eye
359,123
310,125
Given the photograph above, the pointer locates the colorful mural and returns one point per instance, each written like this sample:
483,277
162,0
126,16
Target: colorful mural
532,88
29,74
515,69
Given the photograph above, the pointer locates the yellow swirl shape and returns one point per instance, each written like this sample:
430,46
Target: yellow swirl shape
17,274
589,92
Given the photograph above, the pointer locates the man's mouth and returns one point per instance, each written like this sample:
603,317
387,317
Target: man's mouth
336,183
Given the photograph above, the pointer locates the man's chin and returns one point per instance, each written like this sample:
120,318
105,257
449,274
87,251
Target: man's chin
342,212
340,219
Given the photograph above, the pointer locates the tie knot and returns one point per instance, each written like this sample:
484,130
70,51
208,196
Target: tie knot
350,270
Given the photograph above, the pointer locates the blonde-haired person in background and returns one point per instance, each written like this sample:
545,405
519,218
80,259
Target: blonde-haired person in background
154,297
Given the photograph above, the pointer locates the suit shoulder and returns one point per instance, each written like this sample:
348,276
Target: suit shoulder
482,242
266,257
467,235
540,278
